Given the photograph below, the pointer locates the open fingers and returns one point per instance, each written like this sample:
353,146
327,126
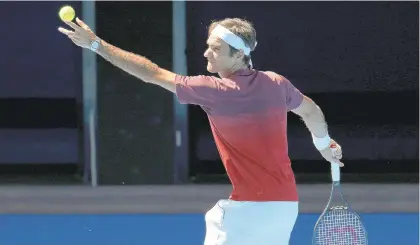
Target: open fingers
65,31
73,25
82,24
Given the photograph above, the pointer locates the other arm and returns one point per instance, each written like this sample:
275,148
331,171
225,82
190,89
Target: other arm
313,117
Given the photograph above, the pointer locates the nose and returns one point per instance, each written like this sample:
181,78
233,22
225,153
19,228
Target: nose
206,53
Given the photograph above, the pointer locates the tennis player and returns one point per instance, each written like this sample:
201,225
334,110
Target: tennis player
247,111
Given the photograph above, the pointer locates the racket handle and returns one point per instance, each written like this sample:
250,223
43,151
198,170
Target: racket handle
335,169
335,172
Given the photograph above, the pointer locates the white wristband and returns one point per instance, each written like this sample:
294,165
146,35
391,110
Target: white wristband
321,143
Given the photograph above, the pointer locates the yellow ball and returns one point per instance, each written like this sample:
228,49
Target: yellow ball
67,13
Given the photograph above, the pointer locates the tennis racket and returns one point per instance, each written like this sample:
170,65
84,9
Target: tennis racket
338,224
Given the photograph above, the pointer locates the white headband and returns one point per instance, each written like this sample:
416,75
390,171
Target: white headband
231,39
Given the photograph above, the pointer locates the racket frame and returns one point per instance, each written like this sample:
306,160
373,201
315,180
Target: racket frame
336,187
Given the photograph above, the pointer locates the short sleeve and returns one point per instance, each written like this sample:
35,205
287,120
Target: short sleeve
197,90
293,96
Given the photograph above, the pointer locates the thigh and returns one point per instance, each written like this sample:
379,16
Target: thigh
255,223
281,229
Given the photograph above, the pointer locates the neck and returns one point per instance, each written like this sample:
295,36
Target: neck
232,70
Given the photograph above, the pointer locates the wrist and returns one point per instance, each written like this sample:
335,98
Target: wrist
95,44
321,143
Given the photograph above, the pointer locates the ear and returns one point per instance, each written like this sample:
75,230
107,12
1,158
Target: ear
240,54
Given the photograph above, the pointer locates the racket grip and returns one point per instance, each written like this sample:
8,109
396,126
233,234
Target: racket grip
335,172
335,169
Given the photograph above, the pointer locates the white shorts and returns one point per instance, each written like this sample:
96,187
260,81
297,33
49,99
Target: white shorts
250,223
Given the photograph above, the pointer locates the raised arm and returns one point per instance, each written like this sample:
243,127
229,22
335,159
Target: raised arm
137,66
131,63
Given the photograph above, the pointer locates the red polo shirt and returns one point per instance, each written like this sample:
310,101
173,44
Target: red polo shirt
248,117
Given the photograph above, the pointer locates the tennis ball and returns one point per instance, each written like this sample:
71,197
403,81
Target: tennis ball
67,13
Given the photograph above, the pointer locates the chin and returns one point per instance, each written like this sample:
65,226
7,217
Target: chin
211,68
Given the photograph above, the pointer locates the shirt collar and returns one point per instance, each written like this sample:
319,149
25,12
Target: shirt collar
244,72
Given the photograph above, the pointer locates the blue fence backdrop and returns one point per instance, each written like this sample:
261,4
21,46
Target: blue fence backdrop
173,229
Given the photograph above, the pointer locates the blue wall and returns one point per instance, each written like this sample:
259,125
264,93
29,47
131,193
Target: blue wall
172,229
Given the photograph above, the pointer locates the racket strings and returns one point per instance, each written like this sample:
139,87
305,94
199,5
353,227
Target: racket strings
340,227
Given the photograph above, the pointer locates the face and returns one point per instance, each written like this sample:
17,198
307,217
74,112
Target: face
218,56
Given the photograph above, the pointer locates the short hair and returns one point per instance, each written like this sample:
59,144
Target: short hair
243,29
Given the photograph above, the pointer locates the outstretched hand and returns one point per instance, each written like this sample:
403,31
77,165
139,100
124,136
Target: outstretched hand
81,35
